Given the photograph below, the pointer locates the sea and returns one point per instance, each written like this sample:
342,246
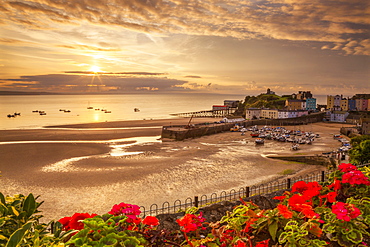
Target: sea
73,109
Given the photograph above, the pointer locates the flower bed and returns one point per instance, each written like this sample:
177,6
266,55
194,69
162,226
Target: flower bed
336,213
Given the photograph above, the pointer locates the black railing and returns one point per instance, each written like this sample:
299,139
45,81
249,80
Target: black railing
232,195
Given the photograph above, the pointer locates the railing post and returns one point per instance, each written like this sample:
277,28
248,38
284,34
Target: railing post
322,176
288,183
196,201
247,191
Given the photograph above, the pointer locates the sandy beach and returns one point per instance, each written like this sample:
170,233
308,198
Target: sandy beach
91,167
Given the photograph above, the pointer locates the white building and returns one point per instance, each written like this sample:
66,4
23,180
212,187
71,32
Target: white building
283,113
338,116
253,113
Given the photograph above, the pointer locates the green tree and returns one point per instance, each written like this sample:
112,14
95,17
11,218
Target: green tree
360,153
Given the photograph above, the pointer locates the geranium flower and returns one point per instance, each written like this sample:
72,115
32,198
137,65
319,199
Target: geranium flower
299,202
151,221
191,222
345,211
355,177
346,167
284,211
300,187
240,243
75,222
310,189
331,196
264,243
129,210
335,185
280,198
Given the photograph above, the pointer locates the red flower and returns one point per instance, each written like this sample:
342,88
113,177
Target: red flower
355,177
310,189
280,198
345,211
284,211
299,202
75,222
335,185
346,167
300,187
315,230
129,210
331,196
264,243
240,243
151,221
191,222
308,212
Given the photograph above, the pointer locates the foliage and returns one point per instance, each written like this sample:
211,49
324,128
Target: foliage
262,100
360,152
19,223
311,214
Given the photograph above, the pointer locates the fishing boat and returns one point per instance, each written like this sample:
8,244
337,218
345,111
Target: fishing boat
136,109
255,134
259,141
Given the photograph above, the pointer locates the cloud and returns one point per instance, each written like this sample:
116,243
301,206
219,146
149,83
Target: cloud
97,83
296,20
115,73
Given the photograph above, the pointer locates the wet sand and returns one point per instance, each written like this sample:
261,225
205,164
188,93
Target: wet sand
73,173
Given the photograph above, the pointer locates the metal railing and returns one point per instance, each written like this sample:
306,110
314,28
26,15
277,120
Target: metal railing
232,195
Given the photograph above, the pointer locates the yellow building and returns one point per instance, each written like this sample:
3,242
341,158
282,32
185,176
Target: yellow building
344,104
269,113
295,104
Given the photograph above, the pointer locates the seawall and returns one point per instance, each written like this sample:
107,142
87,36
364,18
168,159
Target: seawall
180,133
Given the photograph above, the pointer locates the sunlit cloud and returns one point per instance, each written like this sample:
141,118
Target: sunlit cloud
324,21
225,45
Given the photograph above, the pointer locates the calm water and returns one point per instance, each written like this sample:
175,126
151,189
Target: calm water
158,106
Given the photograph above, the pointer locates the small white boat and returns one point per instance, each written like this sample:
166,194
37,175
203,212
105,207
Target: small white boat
259,141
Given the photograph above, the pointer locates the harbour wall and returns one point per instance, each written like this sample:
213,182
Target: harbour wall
327,161
180,133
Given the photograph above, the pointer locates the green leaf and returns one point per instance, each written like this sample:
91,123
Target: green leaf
15,212
2,198
283,237
3,209
29,205
2,237
273,229
354,236
18,235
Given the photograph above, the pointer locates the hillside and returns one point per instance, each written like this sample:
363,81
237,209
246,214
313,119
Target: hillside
271,101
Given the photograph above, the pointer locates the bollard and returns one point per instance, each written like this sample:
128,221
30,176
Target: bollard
322,176
246,192
196,201
288,183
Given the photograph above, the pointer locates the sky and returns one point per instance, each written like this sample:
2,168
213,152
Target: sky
189,46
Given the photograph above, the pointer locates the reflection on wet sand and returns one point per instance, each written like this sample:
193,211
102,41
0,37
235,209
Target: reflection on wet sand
93,176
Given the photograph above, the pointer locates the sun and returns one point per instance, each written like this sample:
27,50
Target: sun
95,69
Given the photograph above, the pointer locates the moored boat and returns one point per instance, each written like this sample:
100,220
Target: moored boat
255,134
259,141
